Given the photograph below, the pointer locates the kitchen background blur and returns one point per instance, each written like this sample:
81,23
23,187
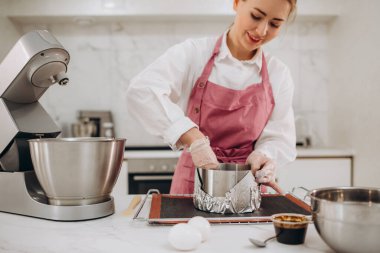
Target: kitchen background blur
331,49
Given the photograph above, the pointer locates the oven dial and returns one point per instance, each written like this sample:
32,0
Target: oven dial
164,168
151,167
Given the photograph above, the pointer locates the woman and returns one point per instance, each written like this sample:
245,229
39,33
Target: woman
238,100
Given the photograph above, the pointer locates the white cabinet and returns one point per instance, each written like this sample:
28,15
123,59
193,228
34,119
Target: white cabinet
316,172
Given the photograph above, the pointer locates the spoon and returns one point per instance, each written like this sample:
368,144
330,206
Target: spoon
259,243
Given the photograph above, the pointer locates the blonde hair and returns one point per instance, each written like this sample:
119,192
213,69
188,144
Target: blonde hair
293,9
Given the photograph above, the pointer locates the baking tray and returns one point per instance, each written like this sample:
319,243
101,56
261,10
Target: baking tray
172,209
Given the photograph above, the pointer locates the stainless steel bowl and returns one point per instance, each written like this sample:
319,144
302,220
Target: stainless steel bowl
230,188
77,171
348,218
216,182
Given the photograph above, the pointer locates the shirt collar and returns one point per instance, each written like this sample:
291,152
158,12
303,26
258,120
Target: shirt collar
225,53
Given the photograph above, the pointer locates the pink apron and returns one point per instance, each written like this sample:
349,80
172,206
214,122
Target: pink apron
232,119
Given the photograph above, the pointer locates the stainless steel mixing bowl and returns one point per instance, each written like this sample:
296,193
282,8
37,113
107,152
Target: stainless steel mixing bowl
229,188
77,171
216,182
348,218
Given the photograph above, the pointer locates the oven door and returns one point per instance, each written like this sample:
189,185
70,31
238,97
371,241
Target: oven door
150,169
140,183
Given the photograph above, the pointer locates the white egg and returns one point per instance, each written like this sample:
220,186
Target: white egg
202,225
184,237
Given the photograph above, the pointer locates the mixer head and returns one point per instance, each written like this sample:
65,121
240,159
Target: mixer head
35,62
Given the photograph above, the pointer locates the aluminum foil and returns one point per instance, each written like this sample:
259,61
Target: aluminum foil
244,197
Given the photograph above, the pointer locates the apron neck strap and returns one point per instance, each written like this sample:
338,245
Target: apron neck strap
217,46
207,70
264,70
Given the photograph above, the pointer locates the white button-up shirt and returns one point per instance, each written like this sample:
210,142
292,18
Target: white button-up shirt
158,96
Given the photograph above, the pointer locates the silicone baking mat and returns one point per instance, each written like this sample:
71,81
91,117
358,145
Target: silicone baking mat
172,209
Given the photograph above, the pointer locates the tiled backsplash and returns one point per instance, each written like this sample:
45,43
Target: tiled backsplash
104,58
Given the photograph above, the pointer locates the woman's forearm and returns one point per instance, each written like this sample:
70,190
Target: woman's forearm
189,137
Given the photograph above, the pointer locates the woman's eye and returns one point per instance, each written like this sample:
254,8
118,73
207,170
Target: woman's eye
255,17
275,25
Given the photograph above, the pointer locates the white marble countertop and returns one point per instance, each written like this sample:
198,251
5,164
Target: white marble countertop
118,233
312,152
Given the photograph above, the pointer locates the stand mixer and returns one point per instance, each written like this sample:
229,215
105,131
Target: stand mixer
36,62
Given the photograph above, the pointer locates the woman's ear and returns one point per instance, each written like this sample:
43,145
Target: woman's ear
235,4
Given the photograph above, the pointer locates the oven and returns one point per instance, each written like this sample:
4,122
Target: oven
150,169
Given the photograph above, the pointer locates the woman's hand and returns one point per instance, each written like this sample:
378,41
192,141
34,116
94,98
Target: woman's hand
262,167
264,170
199,147
202,154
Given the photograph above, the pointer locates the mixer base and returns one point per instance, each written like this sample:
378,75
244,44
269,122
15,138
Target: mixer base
21,194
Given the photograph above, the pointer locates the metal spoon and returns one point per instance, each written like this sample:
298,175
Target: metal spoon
259,243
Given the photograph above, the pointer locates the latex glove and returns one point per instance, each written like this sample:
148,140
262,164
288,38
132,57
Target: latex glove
264,170
202,154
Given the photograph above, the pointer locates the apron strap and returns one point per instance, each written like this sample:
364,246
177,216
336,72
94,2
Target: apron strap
193,110
208,68
267,86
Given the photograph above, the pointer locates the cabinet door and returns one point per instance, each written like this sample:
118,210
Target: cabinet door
314,173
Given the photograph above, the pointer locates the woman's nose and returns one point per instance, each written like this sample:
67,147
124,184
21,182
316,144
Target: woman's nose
262,28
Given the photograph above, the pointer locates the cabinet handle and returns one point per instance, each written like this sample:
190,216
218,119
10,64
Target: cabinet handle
151,178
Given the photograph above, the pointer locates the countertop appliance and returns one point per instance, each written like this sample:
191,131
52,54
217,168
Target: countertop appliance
36,62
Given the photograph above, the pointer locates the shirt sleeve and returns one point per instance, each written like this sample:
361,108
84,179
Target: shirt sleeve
153,95
278,139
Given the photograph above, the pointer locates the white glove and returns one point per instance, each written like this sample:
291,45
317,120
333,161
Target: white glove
202,154
262,167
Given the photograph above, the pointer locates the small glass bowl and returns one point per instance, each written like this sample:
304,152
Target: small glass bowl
290,228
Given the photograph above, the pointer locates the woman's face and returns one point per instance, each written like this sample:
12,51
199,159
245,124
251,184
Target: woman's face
257,22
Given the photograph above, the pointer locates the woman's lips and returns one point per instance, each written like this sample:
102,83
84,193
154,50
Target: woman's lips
253,39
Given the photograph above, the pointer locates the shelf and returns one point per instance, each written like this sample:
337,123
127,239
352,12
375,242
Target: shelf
103,11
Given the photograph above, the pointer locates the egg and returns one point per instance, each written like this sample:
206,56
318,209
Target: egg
202,225
183,236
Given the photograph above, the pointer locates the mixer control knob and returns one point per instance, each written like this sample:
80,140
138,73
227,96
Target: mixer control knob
61,78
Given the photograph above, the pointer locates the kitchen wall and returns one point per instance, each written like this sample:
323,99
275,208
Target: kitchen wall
106,55
354,117
9,34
